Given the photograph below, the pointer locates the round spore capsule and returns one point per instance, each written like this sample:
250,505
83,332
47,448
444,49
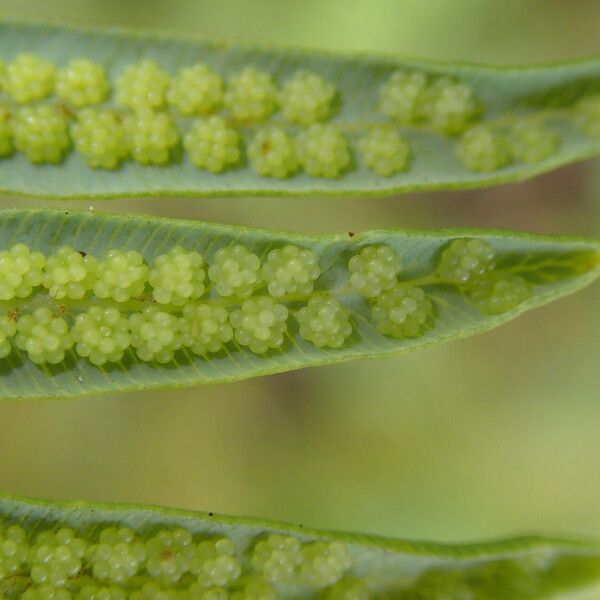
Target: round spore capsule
117,557
235,271
170,555
259,324
384,151
290,270
155,335
277,558
29,78
251,95
306,98
82,83
6,143
43,336
587,114
20,271
69,274
324,322
498,293
121,276
8,328
41,133
323,151
324,563
272,153
150,137
402,96
13,542
56,557
450,106
96,592
402,312
46,592
142,86
212,145
99,136
482,149
215,563
198,592
196,90
101,334
465,260
205,328
532,142
177,277
374,270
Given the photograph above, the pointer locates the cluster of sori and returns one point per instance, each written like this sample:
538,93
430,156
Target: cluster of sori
470,264
178,301
116,563
52,110
445,105
491,146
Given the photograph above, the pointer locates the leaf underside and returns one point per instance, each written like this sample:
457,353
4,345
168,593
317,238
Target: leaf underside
455,317
382,568
503,93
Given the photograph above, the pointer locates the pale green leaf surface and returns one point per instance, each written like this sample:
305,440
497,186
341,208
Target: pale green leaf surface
504,92
529,567
555,266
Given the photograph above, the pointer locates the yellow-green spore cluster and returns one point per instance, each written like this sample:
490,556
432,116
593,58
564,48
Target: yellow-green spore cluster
272,153
99,136
82,83
212,145
101,334
44,336
324,322
497,293
216,564
150,136
235,271
384,151
251,95
205,328
155,334
20,271
373,270
306,98
290,270
402,312
465,260
587,114
142,86
14,549
196,90
484,150
323,151
177,277
41,133
260,324
532,141
69,274
121,275
29,78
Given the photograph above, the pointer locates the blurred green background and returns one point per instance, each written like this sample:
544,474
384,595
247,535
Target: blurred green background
484,437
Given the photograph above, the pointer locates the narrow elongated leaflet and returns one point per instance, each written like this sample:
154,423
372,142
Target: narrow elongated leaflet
95,303
108,113
84,550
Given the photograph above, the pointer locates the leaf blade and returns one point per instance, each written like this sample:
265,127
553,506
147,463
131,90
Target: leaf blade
520,568
95,234
527,90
